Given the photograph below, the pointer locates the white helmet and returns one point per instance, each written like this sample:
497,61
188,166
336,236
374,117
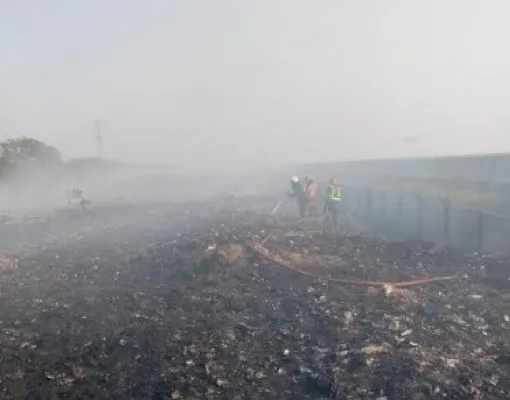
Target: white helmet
295,179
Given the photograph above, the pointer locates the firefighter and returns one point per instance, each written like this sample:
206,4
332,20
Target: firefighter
298,192
333,202
312,193
77,196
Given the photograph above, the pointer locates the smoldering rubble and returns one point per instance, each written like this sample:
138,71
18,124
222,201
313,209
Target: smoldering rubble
221,299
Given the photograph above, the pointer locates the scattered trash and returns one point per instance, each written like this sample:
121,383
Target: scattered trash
451,362
221,383
348,318
211,247
407,332
394,325
187,304
373,349
305,370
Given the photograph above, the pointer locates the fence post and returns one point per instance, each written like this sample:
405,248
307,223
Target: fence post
445,203
479,230
419,215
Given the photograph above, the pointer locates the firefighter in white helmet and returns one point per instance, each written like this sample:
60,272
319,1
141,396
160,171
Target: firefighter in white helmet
298,192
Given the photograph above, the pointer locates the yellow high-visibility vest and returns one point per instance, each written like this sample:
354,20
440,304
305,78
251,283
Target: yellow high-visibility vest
335,194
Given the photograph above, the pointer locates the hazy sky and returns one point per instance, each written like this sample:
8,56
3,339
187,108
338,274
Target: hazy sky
231,82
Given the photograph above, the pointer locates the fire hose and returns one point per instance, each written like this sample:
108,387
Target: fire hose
266,254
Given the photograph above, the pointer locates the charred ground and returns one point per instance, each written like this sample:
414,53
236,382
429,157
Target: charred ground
169,302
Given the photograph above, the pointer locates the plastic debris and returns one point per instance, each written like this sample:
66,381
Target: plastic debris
178,305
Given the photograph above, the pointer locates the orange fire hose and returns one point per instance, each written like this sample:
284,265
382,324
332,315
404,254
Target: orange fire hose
266,254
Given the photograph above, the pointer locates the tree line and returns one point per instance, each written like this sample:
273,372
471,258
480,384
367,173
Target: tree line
26,153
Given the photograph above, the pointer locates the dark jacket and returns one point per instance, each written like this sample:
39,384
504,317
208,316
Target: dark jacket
298,191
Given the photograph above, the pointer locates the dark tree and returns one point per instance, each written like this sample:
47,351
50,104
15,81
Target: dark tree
25,152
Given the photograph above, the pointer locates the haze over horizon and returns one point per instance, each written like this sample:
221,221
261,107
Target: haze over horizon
229,84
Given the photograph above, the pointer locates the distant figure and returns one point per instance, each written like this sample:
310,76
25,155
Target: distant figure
333,202
77,196
298,192
312,192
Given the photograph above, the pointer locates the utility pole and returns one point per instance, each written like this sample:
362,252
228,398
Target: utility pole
99,138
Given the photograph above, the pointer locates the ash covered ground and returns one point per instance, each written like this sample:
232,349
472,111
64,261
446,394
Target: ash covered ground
169,301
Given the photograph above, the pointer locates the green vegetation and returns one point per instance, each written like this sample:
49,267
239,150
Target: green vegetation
26,156
20,153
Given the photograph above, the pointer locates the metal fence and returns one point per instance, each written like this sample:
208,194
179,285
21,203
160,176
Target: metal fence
405,216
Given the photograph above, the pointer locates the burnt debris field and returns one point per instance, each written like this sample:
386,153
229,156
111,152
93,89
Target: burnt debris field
184,302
